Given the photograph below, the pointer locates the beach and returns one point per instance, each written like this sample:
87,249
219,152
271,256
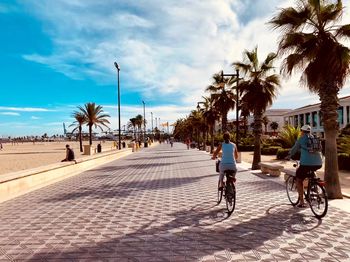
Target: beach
27,155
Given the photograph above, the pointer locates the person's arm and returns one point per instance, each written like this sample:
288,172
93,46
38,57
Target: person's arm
236,153
216,152
295,148
67,153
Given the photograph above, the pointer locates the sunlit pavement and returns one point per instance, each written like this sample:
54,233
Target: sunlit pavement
159,204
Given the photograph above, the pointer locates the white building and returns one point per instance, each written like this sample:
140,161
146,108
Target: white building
312,116
273,115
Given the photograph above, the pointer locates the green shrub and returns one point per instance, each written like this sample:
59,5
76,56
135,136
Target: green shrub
343,161
282,153
272,150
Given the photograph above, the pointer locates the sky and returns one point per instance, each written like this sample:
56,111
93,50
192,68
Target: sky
59,54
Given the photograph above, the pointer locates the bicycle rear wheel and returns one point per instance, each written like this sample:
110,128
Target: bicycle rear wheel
318,200
230,196
220,192
292,191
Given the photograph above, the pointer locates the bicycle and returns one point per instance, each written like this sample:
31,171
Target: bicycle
228,191
314,193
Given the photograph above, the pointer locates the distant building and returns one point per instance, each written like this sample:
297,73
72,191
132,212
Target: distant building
312,116
273,115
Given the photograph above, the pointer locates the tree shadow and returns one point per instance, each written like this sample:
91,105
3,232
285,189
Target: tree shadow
124,189
194,234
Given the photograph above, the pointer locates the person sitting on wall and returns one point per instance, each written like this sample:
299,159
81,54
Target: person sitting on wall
69,155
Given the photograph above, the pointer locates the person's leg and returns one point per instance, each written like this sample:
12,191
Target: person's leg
221,176
300,176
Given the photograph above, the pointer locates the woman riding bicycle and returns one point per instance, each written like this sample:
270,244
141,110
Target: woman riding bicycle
309,161
228,159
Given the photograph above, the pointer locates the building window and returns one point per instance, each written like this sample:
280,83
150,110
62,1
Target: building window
308,120
314,119
296,123
340,112
347,114
301,119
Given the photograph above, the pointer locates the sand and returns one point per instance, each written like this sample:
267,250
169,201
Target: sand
27,155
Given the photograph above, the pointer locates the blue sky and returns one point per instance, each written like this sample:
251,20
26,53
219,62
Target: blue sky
57,55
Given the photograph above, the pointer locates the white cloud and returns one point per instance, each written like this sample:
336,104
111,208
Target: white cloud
9,113
35,117
25,109
165,50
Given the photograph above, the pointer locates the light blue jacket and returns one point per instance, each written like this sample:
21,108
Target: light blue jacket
306,158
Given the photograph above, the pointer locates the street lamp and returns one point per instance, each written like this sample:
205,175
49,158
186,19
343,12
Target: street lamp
237,99
152,121
144,124
118,69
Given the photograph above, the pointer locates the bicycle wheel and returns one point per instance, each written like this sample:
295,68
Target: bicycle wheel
292,192
318,200
220,192
230,196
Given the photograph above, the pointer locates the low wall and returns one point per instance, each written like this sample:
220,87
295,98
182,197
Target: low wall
21,182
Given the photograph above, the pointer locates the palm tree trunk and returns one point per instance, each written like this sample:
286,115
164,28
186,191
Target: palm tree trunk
329,106
257,135
224,122
90,135
80,139
212,139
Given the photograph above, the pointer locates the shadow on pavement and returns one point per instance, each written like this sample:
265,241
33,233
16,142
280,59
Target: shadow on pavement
194,234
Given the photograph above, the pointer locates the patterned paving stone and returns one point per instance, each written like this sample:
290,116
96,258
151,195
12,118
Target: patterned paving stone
160,205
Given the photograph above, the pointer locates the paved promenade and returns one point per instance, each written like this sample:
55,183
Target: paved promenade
159,204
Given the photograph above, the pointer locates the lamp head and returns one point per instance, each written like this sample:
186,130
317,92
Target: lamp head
116,65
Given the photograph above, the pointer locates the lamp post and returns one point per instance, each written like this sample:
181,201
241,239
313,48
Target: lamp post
237,101
144,124
152,121
118,69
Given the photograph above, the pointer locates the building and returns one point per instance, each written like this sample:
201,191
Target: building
312,116
273,115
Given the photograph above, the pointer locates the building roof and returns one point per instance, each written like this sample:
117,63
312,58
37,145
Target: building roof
317,104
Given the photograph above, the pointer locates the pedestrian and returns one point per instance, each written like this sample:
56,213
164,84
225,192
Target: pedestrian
69,155
1,146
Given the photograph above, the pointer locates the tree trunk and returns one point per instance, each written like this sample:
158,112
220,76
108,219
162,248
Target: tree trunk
90,135
212,139
257,135
329,106
80,140
224,122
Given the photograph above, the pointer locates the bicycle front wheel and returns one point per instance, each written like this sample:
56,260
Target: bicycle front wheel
292,191
230,196
318,200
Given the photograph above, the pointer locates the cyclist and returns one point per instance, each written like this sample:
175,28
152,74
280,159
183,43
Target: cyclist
309,161
228,159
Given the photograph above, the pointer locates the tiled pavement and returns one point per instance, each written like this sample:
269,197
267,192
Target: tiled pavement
159,205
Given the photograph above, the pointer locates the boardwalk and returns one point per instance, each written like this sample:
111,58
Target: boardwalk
159,205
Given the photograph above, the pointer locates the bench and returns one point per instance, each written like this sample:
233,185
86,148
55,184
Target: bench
269,168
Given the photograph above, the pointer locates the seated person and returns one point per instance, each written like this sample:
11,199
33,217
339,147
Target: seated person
69,155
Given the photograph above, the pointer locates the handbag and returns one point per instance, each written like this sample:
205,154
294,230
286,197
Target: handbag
217,165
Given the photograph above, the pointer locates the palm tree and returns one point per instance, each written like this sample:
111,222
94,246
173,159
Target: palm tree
274,126
80,119
265,121
310,38
94,117
139,123
210,115
259,88
132,124
223,98
289,135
